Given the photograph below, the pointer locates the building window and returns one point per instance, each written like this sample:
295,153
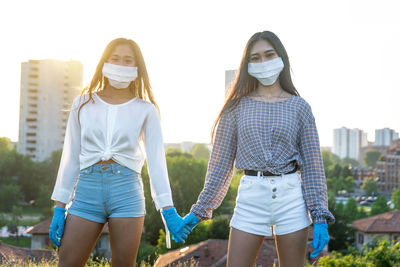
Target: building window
31,120
33,105
33,84
33,112
32,127
32,90
360,238
31,141
33,97
30,134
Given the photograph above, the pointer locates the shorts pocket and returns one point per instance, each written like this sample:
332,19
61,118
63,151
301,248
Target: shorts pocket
293,181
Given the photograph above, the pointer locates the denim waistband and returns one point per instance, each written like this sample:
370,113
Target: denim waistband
108,167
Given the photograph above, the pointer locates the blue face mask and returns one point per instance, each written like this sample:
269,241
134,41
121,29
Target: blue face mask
266,72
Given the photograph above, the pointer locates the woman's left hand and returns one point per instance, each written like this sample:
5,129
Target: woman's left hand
321,238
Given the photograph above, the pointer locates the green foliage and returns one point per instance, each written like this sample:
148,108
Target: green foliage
385,254
371,157
350,161
379,206
336,184
370,186
396,198
341,230
334,171
382,253
20,242
5,144
176,152
346,171
338,260
10,194
350,210
147,254
219,228
326,158
200,151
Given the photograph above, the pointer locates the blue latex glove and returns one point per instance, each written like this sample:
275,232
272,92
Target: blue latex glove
189,221
321,238
173,221
57,226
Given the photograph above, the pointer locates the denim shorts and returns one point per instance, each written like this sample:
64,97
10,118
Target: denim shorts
271,204
108,191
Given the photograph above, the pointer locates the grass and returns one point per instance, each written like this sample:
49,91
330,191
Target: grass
22,241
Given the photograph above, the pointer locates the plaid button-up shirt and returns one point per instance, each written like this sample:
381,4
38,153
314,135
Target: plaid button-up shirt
266,136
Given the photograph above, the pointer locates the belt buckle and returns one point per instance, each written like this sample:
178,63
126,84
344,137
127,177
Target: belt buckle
104,167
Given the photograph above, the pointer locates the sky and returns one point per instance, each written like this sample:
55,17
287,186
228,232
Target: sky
344,54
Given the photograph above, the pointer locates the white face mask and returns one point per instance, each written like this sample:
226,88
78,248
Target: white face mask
266,72
119,76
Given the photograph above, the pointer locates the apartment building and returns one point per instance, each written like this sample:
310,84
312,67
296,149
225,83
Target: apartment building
48,88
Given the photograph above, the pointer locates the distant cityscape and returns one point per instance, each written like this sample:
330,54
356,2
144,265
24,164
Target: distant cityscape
49,86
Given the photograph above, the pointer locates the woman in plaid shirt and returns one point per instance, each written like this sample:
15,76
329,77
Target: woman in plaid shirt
270,132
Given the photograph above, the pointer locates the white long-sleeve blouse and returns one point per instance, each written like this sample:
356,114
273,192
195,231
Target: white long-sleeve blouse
113,131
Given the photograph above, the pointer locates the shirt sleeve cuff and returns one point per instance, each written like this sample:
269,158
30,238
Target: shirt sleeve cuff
163,200
200,214
322,216
61,195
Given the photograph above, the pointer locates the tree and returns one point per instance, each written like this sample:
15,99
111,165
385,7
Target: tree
9,196
351,210
396,198
5,144
350,161
326,158
370,186
219,228
200,151
16,215
346,171
349,184
379,206
334,171
186,176
371,157
176,152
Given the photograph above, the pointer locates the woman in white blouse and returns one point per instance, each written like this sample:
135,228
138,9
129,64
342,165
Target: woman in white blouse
103,147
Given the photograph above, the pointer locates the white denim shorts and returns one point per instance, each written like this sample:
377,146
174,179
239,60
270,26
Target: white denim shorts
270,204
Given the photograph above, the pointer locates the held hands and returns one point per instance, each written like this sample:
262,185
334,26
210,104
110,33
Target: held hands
189,222
57,225
321,238
173,222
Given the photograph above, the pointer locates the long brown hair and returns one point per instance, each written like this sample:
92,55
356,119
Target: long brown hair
140,87
244,84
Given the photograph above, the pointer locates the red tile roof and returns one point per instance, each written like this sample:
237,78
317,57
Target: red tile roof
11,254
43,227
388,222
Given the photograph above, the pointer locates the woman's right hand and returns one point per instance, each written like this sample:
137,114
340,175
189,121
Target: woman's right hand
57,225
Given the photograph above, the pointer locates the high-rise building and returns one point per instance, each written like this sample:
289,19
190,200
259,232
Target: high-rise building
48,88
348,142
383,137
230,76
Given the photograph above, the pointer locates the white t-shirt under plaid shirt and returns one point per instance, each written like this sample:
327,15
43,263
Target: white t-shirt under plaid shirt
266,136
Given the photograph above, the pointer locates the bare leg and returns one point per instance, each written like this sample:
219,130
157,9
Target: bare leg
79,238
292,248
243,248
125,234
